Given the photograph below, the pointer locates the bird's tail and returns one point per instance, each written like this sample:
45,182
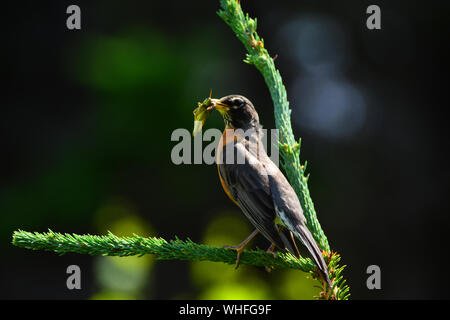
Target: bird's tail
304,235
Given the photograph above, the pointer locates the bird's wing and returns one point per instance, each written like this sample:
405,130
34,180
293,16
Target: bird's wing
249,186
290,212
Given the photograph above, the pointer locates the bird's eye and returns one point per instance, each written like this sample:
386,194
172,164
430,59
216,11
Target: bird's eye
238,102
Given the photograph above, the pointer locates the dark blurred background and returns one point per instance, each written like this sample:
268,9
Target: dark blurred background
87,117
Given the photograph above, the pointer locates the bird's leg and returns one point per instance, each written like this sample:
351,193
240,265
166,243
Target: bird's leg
295,245
271,249
273,245
241,246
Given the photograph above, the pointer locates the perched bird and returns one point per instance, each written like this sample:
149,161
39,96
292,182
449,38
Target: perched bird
253,182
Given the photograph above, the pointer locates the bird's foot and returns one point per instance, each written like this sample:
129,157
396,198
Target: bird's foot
270,250
239,250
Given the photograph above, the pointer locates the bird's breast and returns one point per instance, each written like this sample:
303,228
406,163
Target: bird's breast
228,137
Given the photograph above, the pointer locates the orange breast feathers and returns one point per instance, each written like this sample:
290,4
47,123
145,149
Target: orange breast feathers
227,137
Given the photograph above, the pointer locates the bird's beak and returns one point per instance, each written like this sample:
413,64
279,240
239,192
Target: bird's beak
219,106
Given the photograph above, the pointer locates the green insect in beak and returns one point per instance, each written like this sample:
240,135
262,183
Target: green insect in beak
201,113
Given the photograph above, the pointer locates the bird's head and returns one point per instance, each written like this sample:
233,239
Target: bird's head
237,111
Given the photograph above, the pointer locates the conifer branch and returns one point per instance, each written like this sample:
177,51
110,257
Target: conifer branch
111,245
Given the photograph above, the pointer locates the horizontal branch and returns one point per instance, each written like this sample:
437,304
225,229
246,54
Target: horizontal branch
111,245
